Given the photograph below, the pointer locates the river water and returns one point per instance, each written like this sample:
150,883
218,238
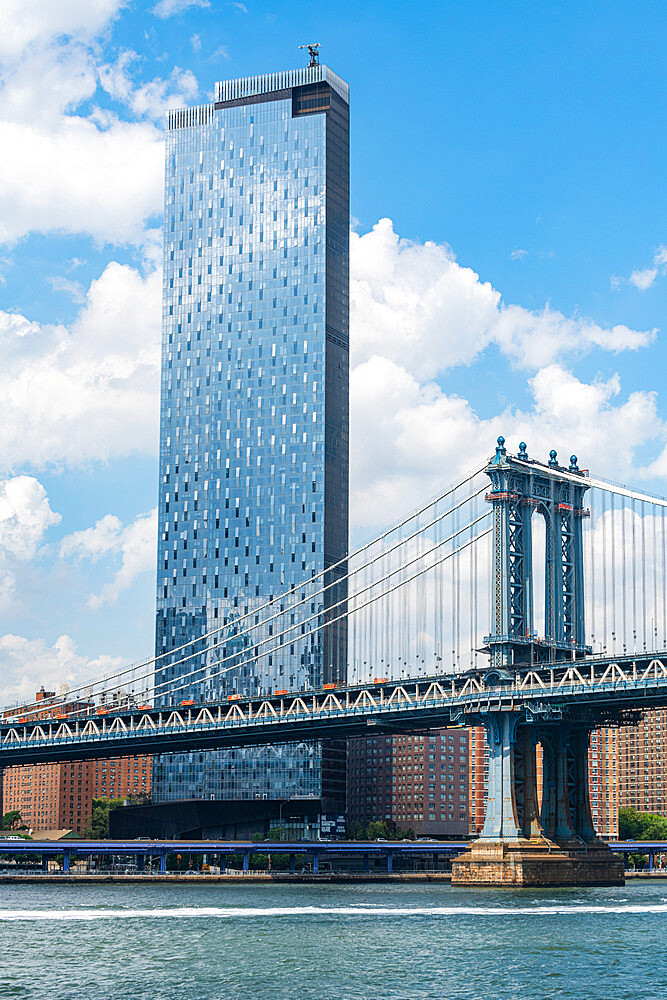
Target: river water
361,942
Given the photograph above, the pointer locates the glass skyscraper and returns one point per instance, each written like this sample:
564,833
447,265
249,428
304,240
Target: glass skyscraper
254,415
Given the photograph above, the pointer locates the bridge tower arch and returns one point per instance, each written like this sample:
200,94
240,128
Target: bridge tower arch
520,489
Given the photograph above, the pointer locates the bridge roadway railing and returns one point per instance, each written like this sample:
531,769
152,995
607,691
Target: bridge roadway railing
596,688
314,850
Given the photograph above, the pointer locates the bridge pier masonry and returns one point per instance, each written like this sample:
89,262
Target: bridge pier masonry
523,843
526,841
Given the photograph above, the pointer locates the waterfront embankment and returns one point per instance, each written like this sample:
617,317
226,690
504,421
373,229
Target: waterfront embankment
255,878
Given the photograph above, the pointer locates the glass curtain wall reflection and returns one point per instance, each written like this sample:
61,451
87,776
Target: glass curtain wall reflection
254,415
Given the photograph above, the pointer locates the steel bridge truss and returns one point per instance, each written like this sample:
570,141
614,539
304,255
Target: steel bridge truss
591,691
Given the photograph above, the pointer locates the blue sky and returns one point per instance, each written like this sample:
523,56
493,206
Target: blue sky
509,268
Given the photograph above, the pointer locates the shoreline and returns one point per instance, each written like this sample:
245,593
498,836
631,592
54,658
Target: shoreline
175,878
253,878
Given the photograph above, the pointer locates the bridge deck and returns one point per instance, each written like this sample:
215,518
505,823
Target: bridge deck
596,689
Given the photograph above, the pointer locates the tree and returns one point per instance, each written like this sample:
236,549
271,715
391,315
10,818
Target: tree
12,820
635,825
378,829
97,827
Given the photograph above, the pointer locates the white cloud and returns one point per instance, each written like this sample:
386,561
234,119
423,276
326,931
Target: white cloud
29,22
643,279
25,515
415,314
415,304
409,439
77,167
80,179
93,542
90,392
134,544
152,99
27,664
536,338
73,289
167,8
222,52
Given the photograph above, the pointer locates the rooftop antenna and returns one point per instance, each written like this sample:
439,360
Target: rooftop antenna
313,53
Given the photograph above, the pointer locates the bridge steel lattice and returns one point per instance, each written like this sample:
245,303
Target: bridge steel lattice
591,692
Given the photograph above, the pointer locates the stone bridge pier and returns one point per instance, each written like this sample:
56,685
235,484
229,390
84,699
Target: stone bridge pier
533,839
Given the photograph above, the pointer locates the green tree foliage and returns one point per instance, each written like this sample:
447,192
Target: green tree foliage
378,830
635,825
97,827
12,820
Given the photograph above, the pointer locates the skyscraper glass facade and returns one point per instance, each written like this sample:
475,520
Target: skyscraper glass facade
254,412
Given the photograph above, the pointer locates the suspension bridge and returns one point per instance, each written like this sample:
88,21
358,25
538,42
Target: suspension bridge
471,611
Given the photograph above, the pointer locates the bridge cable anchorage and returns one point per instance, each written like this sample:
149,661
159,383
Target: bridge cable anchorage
131,674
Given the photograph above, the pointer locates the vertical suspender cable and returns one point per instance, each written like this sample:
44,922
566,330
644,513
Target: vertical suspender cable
634,577
663,522
471,597
654,560
604,572
591,534
644,608
474,638
624,579
453,597
614,629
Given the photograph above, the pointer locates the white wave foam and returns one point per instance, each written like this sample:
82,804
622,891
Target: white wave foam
228,912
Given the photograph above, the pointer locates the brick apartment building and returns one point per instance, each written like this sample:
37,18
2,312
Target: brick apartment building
60,796
642,760
436,784
416,781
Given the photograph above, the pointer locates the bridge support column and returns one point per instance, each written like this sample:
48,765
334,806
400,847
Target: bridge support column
292,864
66,860
223,864
45,863
246,860
390,862
521,843
366,863
163,864
316,862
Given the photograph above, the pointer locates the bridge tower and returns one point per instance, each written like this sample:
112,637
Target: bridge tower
525,840
523,490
